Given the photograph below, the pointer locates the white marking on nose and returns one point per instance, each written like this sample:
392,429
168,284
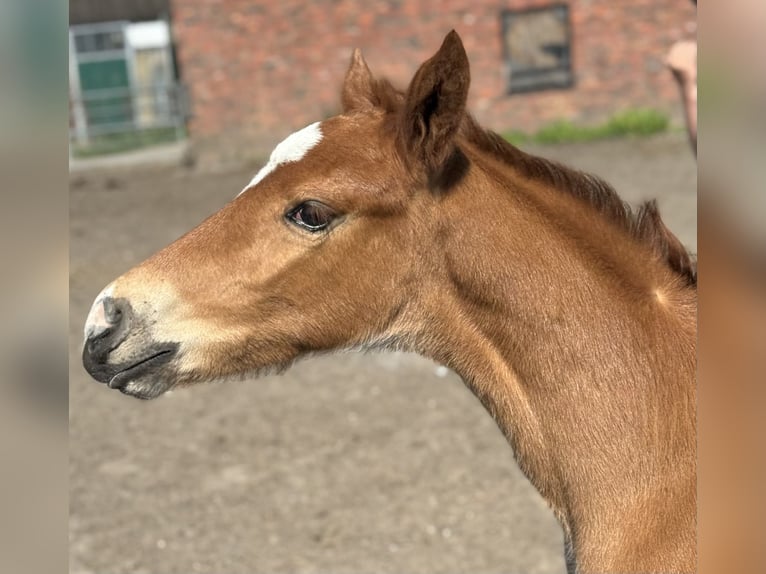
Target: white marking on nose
293,148
96,322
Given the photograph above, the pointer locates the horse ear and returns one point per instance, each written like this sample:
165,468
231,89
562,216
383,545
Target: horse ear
358,93
435,104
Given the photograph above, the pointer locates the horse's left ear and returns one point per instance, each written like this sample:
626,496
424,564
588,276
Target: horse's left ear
435,105
358,92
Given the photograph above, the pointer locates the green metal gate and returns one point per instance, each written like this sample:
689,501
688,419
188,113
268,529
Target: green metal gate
123,88
104,75
109,81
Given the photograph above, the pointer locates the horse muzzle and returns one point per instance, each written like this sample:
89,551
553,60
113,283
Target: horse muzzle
120,351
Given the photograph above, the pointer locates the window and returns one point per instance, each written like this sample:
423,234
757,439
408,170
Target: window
536,46
99,42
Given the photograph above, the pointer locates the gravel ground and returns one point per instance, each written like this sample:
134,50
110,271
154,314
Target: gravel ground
348,463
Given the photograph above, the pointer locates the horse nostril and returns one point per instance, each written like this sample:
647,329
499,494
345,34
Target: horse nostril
112,311
108,325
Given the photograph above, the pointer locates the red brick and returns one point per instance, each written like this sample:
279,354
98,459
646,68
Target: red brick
257,70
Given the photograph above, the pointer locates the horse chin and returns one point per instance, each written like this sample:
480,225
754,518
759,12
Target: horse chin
151,377
145,388
144,372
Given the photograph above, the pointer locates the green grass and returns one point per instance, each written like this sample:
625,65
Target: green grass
118,143
636,122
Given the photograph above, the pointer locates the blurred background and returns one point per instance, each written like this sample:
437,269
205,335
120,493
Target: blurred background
234,76
161,111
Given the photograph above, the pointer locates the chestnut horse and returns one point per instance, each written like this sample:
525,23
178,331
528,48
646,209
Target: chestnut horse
401,224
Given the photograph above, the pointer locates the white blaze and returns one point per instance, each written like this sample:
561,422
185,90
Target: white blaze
293,148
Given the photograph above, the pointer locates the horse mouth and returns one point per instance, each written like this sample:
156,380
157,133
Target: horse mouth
141,367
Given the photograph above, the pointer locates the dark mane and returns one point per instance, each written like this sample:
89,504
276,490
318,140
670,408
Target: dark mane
643,224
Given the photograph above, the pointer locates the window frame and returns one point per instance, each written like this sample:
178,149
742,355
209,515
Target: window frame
544,84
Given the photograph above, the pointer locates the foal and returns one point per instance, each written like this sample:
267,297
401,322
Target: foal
401,224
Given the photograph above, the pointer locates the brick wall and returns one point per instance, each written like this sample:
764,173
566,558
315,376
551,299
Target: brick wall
259,69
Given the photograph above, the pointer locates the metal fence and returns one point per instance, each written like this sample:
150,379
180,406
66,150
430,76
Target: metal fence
124,91
118,119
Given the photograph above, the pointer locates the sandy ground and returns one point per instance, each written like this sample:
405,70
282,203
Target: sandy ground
352,463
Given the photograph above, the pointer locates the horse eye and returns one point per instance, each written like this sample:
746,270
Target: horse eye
312,216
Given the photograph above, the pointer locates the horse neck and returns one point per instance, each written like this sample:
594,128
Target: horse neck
585,363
